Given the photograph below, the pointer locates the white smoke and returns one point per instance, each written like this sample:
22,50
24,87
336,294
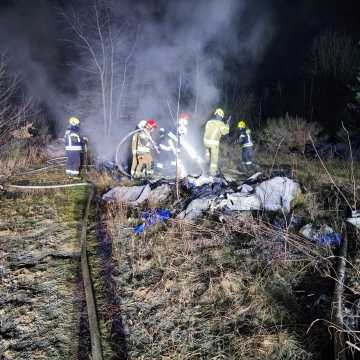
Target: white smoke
149,54
125,61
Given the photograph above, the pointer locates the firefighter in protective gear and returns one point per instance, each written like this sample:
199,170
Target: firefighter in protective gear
246,144
183,124
142,146
163,159
171,146
215,128
74,145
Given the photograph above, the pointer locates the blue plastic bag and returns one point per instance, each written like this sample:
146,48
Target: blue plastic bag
332,239
152,217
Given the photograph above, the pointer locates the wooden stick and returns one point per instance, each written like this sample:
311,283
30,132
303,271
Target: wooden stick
337,303
178,141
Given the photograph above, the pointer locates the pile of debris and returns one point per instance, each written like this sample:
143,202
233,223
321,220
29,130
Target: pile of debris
220,197
210,194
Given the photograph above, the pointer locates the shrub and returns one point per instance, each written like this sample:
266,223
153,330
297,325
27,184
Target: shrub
288,134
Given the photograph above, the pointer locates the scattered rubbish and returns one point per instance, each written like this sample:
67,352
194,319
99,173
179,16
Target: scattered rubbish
139,229
152,217
254,178
131,195
202,180
213,194
355,218
245,189
160,194
272,195
196,208
277,193
206,190
323,235
239,202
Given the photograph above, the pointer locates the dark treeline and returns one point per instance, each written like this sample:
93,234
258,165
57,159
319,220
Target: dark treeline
310,66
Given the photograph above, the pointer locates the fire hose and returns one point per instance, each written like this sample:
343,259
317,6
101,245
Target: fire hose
121,143
94,329
191,152
117,160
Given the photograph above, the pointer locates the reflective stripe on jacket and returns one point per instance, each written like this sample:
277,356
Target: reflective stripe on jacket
141,143
214,130
245,138
73,140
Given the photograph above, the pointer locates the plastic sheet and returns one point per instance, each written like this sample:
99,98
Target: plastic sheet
152,217
323,235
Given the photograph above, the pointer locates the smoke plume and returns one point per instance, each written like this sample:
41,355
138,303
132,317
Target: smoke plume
114,63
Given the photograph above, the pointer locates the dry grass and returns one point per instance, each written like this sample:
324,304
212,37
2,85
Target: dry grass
41,301
188,292
19,155
288,133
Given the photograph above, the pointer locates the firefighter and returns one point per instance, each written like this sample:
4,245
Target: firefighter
246,144
166,149
183,124
215,128
74,145
175,144
142,146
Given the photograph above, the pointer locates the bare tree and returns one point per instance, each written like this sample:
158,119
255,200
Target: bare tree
15,106
105,58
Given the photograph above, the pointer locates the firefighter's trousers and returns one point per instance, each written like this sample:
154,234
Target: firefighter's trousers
73,162
247,155
141,165
212,156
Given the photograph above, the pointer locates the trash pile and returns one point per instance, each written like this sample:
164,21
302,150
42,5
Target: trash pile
276,194
219,196
211,195
322,235
355,218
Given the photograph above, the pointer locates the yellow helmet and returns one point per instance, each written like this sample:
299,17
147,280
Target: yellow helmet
241,124
74,121
219,112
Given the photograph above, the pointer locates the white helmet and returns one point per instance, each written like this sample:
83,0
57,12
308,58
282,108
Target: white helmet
141,124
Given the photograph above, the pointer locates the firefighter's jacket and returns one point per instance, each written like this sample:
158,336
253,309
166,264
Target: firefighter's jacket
245,138
214,130
73,141
168,143
142,143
